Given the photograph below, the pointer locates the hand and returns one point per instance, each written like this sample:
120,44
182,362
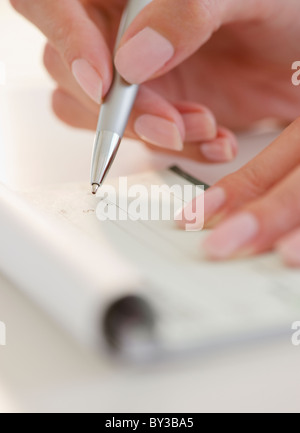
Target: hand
81,36
257,208
169,111
233,57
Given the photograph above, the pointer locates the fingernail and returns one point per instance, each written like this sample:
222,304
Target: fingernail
143,55
218,151
158,131
214,199
199,126
88,79
233,235
289,250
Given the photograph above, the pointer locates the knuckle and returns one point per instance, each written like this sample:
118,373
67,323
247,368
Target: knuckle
192,20
66,40
203,13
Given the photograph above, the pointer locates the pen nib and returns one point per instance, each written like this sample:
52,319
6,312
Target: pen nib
95,188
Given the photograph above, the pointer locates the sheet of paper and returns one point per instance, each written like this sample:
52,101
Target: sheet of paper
197,303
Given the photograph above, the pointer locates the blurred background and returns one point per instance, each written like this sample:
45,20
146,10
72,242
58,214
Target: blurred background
41,369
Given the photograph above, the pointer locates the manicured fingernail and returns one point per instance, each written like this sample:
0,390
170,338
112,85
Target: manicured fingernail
289,250
88,79
221,150
143,55
199,126
214,199
158,131
231,236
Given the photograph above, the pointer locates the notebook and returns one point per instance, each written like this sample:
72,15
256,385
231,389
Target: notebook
138,289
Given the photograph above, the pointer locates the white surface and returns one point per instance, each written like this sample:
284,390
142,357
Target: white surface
56,265
41,369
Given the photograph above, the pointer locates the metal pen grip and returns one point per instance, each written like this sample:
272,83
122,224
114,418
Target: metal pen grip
116,109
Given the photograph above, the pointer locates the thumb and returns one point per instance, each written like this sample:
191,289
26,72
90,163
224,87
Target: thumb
167,32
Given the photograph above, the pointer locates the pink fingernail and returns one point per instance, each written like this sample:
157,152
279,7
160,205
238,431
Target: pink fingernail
214,199
88,79
199,126
289,249
218,151
143,55
231,236
158,131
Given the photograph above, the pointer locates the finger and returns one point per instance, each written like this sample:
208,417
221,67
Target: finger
216,144
223,148
67,25
158,122
252,180
64,78
255,178
193,151
167,32
289,249
260,224
153,120
200,123
72,112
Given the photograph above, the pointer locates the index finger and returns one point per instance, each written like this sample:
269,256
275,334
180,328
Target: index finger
69,28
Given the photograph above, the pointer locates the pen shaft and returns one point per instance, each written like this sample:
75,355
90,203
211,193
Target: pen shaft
115,110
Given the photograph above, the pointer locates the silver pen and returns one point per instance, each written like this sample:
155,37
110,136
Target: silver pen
115,111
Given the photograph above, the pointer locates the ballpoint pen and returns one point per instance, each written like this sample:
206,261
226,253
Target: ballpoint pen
115,110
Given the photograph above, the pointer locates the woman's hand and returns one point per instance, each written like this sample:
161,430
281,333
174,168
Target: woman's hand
78,56
198,57
257,208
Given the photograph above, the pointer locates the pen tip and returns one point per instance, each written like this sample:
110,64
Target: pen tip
95,188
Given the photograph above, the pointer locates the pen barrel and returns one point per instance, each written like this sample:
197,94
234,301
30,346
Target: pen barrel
116,109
